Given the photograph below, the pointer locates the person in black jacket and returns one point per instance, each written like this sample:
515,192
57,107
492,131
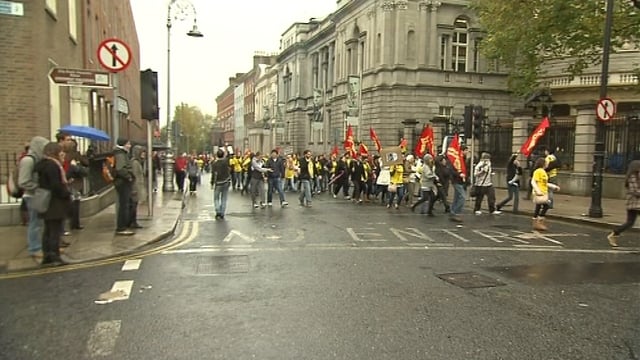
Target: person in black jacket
274,178
342,177
358,178
220,182
123,183
51,176
514,173
443,173
307,171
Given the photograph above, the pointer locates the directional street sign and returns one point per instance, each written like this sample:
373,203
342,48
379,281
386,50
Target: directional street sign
606,109
11,8
114,55
80,77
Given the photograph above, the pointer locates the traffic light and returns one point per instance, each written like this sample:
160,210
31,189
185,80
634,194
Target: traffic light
468,120
149,94
478,118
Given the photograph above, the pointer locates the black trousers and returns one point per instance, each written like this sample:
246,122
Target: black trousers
180,176
51,239
632,216
74,214
342,182
426,195
193,182
124,204
133,212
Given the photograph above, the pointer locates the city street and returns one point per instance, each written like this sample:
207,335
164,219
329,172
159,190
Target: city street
338,281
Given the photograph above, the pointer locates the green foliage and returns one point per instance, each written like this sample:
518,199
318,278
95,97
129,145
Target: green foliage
194,129
523,34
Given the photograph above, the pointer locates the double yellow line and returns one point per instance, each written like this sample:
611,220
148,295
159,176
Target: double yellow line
189,232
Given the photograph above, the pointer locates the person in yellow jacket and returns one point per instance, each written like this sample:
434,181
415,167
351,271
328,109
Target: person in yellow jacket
236,172
246,178
289,174
396,186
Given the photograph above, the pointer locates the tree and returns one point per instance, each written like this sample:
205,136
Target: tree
191,129
525,34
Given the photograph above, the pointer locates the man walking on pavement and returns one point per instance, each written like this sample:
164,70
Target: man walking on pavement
307,168
274,178
123,182
220,182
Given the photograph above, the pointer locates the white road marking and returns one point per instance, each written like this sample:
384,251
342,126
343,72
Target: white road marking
538,246
454,235
357,236
102,339
430,244
236,233
411,232
131,265
124,286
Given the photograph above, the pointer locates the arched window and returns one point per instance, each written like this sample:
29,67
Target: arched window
411,45
460,45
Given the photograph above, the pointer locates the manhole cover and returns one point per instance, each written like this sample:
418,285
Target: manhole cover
470,280
215,265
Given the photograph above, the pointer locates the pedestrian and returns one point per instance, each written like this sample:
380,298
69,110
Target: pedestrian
28,182
514,173
139,186
193,172
358,178
180,168
51,176
307,171
551,165
444,179
275,178
257,175
632,184
459,182
428,187
396,185
76,167
123,183
483,185
220,181
540,195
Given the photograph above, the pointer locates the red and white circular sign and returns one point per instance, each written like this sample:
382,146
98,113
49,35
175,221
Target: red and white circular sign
606,109
114,55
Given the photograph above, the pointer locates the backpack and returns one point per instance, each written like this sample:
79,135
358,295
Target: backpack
13,188
109,169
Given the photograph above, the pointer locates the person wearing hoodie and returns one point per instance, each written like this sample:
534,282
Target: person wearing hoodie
123,183
28,181
139,187
193,172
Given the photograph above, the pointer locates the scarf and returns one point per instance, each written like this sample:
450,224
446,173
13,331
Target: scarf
63,174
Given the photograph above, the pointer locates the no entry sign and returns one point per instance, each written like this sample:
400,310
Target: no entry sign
114,55
606,109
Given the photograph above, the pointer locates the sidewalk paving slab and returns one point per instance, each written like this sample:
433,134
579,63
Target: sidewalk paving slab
98,240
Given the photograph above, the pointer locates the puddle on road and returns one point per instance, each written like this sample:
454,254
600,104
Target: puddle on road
572,273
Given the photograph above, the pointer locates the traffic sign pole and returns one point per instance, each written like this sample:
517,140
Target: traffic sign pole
115,114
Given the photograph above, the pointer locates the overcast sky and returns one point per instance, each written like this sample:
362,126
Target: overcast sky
233,30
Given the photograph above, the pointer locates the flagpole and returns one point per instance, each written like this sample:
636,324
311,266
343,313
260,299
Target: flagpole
361,60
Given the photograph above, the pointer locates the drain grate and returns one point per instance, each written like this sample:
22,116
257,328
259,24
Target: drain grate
470,280
216,265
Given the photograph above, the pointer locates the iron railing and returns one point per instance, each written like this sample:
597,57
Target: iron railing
622,141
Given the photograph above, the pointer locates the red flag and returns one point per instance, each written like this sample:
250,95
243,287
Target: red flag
349,144
425,142
364,150
531,143
403,144
335,150
455,156
375,139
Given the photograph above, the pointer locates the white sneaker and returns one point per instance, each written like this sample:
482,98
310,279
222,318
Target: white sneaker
497,212
478,213
269,204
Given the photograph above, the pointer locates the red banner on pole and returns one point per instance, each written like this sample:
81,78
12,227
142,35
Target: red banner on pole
375,139
349,144
425,142
455,156
531,143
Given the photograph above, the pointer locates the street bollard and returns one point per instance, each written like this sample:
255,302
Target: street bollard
167,178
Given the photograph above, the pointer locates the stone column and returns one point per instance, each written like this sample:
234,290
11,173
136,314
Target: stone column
423,47
401,31
408,132
580,183
433,33
521,120
388,32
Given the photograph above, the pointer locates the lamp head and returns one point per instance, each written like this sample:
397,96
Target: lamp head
194,32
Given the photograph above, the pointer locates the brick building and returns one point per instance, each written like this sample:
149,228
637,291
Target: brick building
65,34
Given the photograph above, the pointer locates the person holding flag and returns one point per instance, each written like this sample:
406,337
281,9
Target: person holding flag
458,169
375,139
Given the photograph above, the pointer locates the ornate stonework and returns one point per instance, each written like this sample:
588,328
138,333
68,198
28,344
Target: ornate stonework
402,4
434,4
424,5
388,6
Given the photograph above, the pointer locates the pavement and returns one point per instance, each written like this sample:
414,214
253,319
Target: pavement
98,241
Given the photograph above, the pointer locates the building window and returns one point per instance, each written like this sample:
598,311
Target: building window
459,46
73,21
314,70
411,45
349,61
445,111
444,46
52,7
378,48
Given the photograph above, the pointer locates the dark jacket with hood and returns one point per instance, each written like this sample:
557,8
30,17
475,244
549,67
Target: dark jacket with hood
50,178
124,171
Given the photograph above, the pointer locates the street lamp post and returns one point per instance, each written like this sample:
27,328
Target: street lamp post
177,10
595,209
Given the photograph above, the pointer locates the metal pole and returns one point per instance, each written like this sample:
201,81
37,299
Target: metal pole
169,159
115,113
595,209
150,169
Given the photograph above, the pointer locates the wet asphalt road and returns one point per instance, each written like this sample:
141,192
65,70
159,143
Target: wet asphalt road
340,281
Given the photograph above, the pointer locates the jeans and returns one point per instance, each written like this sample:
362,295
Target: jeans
123,219
632,216
220,194
399,194
514,191
275,184
237,180
34,228
305,192
257,191
458,199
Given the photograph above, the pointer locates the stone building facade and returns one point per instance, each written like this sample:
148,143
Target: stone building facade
62,34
